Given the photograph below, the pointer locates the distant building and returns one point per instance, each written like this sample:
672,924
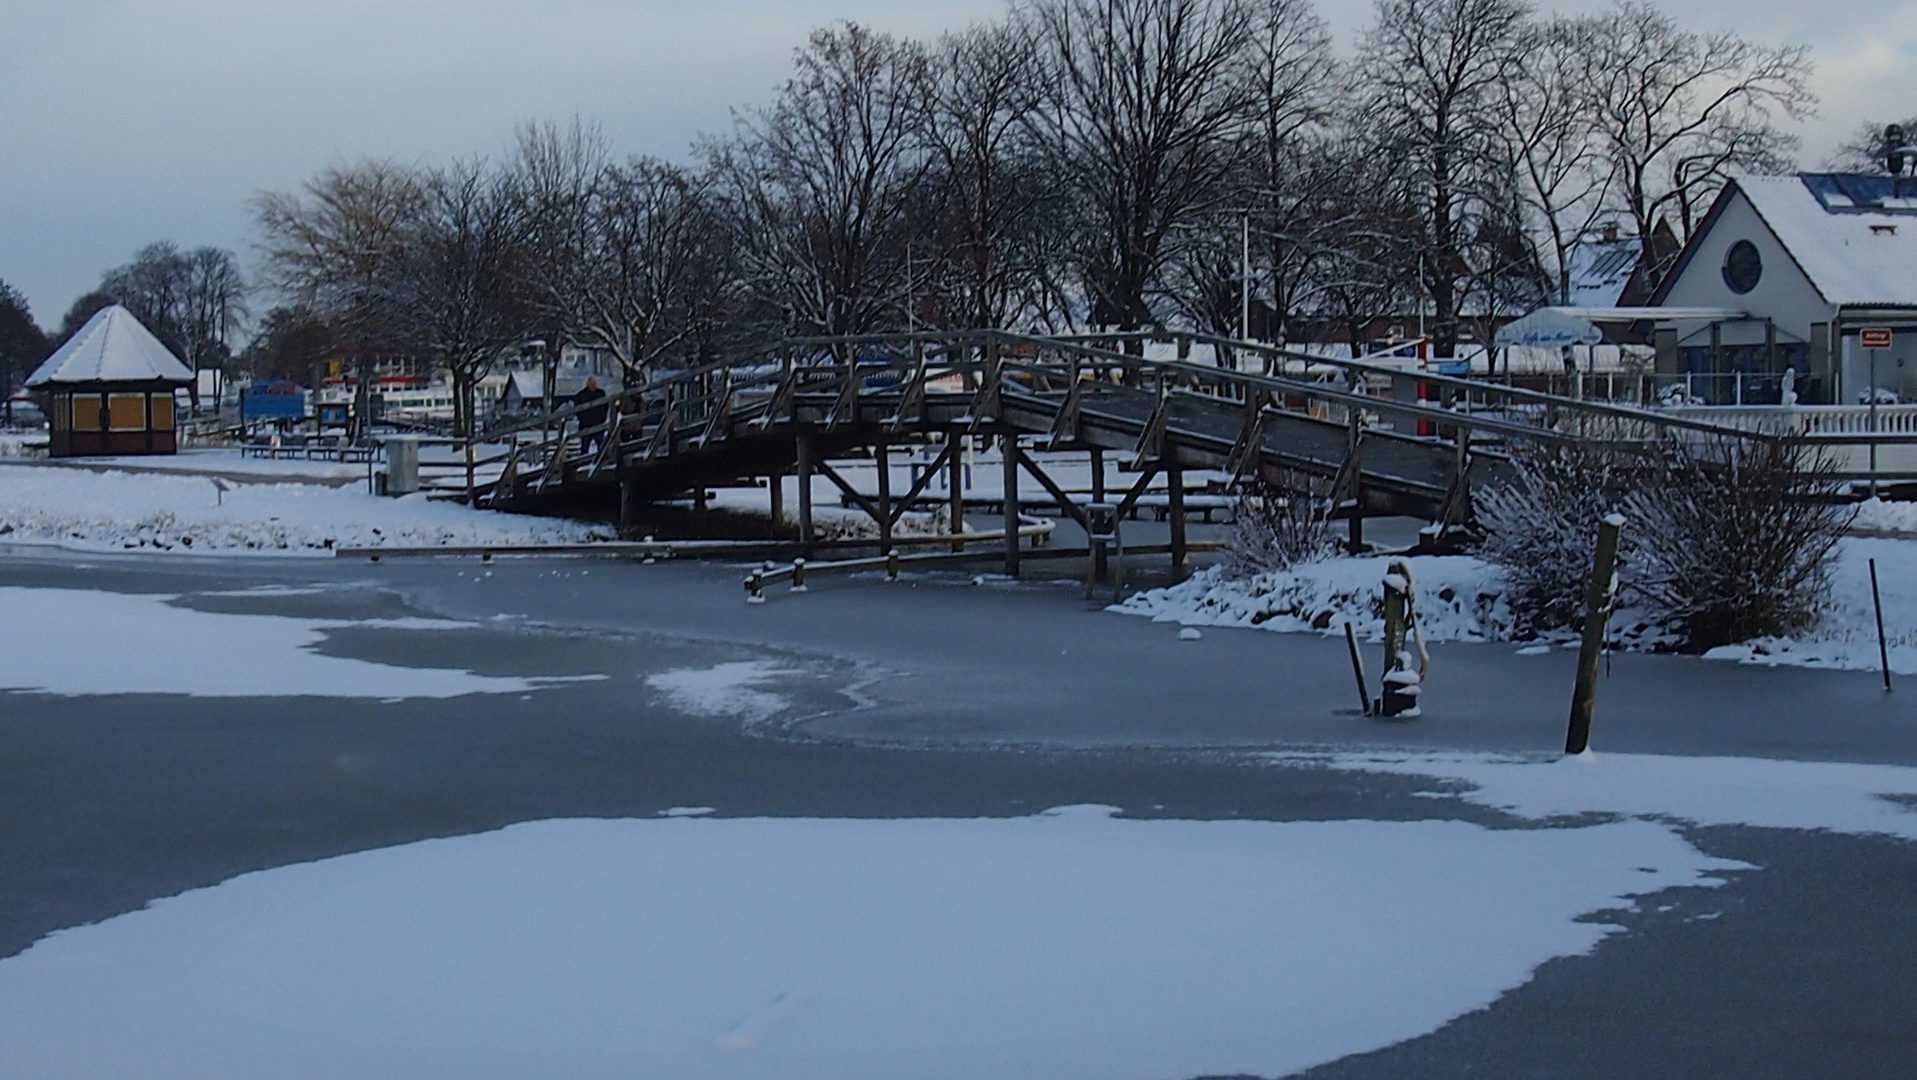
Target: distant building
109,389
1803,262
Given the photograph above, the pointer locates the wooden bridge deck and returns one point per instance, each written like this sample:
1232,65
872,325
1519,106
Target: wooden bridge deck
1369,437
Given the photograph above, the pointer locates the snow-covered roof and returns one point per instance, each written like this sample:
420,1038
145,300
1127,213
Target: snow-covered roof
1854,236
1600,269
112,347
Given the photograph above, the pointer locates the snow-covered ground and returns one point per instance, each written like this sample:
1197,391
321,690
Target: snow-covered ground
118,511
1461,598
1065,945
74,641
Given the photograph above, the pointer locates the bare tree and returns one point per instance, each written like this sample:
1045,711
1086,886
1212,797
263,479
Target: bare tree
193,301
1679,110
822,185
1434,70
1145,117
456,291
1547,120
995,208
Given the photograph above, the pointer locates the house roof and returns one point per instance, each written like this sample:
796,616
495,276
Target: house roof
1854,236
1601,269
113,348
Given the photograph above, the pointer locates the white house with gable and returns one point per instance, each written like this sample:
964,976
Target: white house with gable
1798,265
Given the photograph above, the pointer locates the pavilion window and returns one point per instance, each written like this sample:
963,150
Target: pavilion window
86,412
126,412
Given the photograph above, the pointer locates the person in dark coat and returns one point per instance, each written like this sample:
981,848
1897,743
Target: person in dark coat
592,417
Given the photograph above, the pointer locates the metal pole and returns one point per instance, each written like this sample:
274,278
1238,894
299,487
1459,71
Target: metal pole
1597,611
1244,280
1873,423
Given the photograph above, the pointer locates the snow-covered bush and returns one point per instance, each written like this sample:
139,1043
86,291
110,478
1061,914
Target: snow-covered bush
1274,530
1732,540
1541,528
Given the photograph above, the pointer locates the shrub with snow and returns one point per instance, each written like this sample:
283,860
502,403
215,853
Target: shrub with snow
1733,540
1275,530
1541,529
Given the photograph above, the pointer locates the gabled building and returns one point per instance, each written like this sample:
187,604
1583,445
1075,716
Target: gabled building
109,389
1799,264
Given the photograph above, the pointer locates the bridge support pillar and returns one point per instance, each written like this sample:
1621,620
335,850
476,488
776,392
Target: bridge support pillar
1099,555
956,464
1009,441
628,504
882,459
775,495
805,491
1175,512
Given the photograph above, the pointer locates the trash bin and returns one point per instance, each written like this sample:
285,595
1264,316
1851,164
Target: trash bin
402,465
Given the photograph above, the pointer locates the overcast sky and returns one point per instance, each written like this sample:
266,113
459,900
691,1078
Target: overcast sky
128,121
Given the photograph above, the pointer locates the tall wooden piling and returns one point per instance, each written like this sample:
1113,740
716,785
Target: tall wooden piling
1597,612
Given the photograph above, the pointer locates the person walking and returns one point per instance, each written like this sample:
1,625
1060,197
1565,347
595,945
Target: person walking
592,415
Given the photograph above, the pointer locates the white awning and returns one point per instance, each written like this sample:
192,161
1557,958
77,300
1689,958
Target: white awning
1656,314
1549,328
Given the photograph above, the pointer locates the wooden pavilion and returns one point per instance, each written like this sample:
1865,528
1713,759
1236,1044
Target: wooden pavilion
109,389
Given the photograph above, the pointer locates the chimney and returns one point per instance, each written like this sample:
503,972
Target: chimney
1610,232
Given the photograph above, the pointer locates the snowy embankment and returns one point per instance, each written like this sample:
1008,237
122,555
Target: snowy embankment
1461,598
114,511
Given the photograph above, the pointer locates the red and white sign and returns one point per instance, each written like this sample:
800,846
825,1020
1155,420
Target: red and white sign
1874,337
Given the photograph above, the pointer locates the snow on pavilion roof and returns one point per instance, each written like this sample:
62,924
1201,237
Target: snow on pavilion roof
112,347
1854,236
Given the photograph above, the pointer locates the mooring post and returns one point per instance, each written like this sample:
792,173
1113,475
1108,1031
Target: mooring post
798,575
1598,595
882,460
1175,510
957,493
805,491
1009,441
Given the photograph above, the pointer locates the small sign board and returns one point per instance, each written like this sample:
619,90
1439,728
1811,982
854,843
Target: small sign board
1874,337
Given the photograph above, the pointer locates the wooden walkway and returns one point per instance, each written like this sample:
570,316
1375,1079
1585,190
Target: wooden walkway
1369,437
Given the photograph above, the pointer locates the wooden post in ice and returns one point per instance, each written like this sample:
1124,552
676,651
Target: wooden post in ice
1403,686
1598,597
1877,602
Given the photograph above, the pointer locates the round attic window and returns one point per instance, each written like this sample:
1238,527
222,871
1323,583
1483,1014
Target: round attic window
1742,267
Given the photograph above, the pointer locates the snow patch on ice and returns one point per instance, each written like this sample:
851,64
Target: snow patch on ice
76,641
729,690
1835,796
1067,944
